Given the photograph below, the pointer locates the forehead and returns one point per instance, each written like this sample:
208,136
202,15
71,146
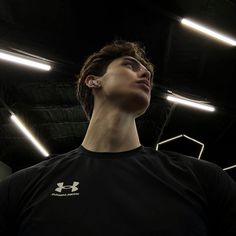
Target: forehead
118,61
123,58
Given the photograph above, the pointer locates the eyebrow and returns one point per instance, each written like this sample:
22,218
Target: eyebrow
133,60
136,61
139,63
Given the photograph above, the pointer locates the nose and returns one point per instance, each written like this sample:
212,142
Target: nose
145,72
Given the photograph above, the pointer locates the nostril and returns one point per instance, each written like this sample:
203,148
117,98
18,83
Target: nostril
147,75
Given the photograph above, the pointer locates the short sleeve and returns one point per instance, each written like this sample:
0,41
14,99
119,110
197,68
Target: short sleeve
220,190
227,200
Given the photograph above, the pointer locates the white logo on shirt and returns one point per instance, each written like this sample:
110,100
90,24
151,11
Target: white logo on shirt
72,187
61,187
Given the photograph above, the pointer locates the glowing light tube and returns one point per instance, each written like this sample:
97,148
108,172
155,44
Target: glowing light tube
20,125
208,31
22,60
190,103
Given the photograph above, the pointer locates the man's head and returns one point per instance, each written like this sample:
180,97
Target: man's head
117,70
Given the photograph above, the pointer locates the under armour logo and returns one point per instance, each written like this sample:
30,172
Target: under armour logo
62,186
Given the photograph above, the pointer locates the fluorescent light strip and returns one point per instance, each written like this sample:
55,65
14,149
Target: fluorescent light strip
16,120
23,61
208,31
190,103
230,167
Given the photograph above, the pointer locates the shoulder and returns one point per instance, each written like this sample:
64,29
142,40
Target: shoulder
208,173
38,169
213,179
180,158
200,168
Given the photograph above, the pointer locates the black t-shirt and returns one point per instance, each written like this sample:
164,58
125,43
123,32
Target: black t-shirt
133,193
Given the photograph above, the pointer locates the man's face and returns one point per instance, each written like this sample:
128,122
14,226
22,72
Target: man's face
127,84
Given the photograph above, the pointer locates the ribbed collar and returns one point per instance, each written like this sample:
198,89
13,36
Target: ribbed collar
108,155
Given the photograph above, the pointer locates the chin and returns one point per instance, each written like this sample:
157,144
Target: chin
140,113
140,106
134,102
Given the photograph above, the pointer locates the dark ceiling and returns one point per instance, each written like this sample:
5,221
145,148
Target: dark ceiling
65,32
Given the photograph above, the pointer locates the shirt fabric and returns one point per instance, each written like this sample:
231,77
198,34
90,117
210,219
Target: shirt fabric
138,192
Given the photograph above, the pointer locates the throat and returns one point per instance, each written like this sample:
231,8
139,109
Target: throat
111,139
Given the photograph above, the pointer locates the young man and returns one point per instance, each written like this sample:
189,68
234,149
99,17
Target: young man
111,184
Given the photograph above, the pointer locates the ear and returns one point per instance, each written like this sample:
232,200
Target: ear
92,81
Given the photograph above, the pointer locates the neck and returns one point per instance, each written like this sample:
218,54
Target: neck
113,132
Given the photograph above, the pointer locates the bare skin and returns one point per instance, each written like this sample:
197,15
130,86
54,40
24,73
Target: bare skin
119,98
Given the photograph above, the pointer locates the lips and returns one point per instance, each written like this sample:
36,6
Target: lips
144,81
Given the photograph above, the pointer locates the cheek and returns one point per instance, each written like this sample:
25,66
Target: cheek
119,81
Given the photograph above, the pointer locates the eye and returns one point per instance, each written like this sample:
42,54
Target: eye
129,64
132,65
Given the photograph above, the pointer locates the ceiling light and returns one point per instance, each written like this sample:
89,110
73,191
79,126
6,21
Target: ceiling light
187,102
16,120
23,60
230,167
208,31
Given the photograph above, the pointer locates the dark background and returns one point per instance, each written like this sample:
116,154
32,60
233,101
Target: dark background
65,32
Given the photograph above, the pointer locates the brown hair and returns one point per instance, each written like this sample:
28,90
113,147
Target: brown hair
97,63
